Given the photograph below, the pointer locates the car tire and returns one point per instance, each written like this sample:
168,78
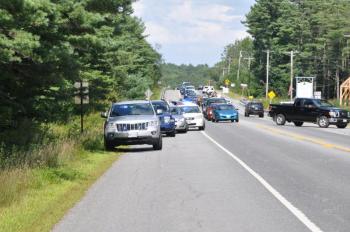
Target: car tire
298,124
202,128
280,119
237,120
232,120
323,122
246,114
172,134
109,146
342,125
158,145
261,115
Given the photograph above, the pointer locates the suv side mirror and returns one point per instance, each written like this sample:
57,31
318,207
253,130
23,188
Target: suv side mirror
104,114
159,111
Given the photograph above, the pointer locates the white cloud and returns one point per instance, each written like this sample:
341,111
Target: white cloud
187,22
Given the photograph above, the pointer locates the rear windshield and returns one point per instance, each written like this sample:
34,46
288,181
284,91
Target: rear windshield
175,110
161,105
190,109
132,109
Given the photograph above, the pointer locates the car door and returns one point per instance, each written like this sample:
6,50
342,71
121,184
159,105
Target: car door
309,110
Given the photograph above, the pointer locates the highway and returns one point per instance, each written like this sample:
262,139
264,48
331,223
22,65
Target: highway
246,176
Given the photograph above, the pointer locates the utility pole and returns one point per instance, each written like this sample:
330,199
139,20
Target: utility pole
292,54
239,64
229,65
267,72
249,64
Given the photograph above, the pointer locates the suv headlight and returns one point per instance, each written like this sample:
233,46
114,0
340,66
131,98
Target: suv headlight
332,114
111,126
153,123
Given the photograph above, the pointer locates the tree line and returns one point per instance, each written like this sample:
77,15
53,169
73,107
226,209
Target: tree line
318,33
47,45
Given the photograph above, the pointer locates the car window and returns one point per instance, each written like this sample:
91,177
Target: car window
131,109
218,100
175,111
190,109
308,102
322,103
257,105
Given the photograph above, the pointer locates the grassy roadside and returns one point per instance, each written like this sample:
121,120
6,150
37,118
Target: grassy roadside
51,192
39,185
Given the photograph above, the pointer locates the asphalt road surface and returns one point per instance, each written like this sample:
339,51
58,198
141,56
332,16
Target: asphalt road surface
246,176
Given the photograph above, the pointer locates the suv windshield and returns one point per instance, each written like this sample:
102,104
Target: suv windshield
322,103
256,105
190,109
132,109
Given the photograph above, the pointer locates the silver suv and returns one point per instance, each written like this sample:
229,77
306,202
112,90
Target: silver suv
131,123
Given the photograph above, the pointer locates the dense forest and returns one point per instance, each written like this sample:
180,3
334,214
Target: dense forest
173,75
318,33
46,45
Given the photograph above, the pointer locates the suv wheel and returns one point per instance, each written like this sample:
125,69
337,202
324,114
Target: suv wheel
246,114
158,144
172,134
261,115
323,122
342,125
280,119
109,146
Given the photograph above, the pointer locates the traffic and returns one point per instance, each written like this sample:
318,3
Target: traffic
146,122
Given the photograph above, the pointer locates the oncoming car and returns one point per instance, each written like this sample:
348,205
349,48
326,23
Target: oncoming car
131,123
225,112
193,115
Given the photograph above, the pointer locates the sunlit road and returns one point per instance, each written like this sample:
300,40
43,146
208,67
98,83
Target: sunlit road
246,176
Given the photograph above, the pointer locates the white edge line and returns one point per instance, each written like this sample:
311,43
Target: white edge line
295,211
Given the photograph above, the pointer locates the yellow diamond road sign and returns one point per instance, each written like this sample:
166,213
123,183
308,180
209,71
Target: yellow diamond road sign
227,82
271,95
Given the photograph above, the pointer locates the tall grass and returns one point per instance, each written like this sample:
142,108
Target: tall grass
52,150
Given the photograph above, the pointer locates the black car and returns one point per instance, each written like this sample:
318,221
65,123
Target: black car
309,110
254,108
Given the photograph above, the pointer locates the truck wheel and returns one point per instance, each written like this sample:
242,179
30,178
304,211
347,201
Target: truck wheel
342,125
323,122
298,123
109,146
158,144
280,119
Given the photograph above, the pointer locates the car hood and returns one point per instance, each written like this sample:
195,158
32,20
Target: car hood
333,108
133,118
177,116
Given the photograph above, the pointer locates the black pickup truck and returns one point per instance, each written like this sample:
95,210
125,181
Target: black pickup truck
309,110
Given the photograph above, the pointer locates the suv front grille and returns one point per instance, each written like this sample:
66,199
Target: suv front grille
132,126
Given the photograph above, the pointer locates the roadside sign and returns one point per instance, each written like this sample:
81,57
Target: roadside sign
271,95
318,94
148,94
81,97
251,97
233,85
227,82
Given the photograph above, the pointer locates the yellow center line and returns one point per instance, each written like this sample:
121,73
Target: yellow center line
303,138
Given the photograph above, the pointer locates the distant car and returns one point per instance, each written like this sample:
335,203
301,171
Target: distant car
167,121
193,115
225,112
190,87
254,108
180,120
205,88
131,123
191,96
200,87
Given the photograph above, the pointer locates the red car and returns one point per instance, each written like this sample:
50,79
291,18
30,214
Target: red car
209,111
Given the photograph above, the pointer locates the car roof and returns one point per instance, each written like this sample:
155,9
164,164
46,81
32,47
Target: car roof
131,102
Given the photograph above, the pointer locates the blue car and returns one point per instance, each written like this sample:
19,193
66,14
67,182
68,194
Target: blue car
225,112
190,96
167,121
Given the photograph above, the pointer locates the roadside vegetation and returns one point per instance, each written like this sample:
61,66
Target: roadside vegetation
45,47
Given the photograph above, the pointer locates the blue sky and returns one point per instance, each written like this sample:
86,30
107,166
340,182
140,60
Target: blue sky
193,31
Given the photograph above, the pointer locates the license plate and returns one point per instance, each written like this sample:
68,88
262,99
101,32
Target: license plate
344,120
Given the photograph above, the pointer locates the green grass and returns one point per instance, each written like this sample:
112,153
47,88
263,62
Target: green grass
47,193
40,182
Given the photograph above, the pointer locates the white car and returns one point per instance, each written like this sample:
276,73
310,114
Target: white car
193,115
208,89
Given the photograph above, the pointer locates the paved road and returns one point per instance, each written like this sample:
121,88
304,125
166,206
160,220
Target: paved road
247,176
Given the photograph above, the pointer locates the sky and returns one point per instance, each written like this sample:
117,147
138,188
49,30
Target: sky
192,31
